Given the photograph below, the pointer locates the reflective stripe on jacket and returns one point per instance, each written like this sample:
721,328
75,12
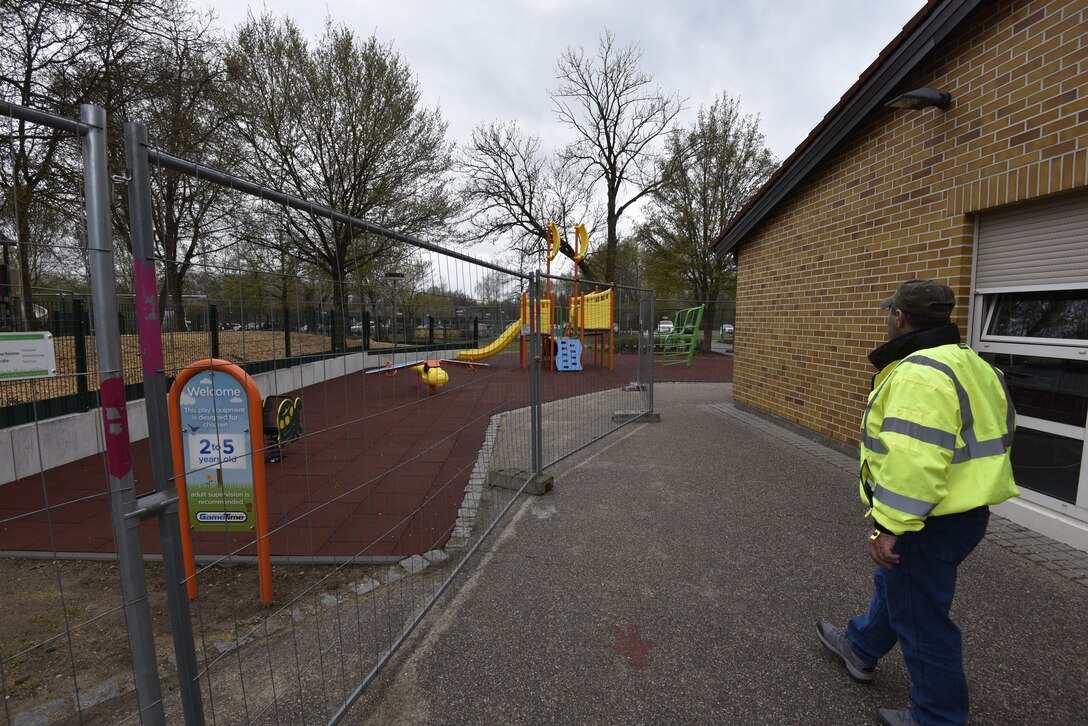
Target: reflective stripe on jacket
936,437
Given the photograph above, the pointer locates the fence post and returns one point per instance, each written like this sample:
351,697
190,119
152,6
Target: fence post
59,321
151,358
650,356
366,330
430,330
213,328
286,332
536,382
115,415
475,332
79,332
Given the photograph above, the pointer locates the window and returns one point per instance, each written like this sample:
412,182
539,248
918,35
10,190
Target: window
1047,463
1038,337
1046,388
1051,315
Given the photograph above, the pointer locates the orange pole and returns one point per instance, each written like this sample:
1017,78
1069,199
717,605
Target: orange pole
179,482
548,281
552,345
260,494
598,353
524,319
576,246
582,327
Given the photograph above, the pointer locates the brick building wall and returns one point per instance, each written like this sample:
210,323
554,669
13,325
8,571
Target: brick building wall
897,200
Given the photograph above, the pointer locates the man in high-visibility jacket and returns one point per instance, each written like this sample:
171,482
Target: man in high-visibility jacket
935,442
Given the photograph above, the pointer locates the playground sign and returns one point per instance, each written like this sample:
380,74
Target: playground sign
214,415
217,429
27,355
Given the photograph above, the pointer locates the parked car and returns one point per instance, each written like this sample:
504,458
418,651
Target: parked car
727,333
664,327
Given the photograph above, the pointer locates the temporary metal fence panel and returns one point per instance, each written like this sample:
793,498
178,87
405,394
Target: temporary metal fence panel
596,351
421,423
77,626
422,397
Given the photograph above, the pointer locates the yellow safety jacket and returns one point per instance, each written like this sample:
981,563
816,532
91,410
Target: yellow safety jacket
936,433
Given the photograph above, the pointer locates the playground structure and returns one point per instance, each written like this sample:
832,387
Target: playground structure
282,419
678,346
593,315
589,315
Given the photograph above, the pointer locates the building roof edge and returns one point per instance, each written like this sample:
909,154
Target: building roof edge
932,24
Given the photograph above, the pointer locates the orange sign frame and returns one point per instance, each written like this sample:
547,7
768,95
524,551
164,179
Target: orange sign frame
260,494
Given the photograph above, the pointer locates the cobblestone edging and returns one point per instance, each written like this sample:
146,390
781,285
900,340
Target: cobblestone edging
61,709
474,490
1048,553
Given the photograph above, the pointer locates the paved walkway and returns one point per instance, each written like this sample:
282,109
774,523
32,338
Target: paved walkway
674,575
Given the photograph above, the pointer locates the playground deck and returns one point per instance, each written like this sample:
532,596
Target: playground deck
379,472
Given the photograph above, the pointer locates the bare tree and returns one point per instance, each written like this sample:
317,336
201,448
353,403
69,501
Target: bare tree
54,56
188,112
38,41
617,119
707,175
512,189
339,124
494,287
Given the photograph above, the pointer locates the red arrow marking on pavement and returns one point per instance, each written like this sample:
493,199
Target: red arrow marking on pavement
627,642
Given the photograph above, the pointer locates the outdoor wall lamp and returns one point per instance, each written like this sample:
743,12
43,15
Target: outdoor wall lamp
920,98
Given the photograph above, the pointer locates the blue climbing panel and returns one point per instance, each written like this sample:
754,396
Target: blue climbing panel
569,355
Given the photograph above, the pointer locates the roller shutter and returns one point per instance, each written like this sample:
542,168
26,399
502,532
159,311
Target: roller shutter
1040,243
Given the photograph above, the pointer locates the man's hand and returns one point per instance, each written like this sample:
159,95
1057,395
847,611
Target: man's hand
880,550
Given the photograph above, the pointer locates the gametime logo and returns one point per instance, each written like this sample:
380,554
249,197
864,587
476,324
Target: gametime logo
221,517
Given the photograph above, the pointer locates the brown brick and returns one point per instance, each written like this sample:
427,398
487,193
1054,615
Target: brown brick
1030,20
1025,137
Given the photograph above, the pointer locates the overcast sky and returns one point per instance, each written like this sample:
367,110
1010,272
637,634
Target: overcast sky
788,61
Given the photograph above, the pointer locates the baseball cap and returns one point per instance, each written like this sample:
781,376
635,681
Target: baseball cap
928,298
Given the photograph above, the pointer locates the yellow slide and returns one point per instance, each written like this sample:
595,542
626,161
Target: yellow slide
508,336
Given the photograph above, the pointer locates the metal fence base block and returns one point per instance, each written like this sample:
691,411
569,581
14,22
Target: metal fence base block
515,478
634,387
642,416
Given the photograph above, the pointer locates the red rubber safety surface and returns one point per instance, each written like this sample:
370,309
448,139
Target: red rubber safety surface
380,470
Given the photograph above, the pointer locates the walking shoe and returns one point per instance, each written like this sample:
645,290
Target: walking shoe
895,717
834,639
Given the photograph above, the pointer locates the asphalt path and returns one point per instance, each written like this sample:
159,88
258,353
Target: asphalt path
675,574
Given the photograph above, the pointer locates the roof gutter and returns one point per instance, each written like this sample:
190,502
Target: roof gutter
937,25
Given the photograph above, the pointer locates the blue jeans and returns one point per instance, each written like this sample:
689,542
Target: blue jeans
910,605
